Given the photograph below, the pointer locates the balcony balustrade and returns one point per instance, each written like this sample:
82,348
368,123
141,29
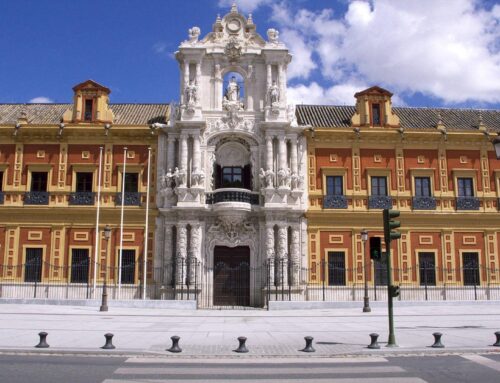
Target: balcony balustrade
334,202
232,195
467,203
36,198
131,199
380,202
81,198
423,203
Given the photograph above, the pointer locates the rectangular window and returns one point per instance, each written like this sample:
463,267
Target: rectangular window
83,182
1,181
422,186
232,176
88,114
465,187
427,269
80,266
128,266
336,268
39,181
470,264
334,185
380,269
379,186
33,266
376,114
131,182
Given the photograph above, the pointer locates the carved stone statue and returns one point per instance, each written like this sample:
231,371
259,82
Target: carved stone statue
217,72
194,33
191,93
273,35
294,181
266,178
273,94
168,179
232,90
198,177
284,177
179,177
270,243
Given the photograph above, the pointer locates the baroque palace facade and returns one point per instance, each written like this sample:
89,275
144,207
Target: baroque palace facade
250,199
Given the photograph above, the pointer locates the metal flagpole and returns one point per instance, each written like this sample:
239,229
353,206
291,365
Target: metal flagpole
121,222
96,251
144,268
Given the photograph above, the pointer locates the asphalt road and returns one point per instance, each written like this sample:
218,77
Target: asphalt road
404,369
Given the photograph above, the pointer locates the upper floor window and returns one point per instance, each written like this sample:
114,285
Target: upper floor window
1,181
465,187
379,186
334,185
232,176
422,186
39,181
83,182
376,114
131,182
88,111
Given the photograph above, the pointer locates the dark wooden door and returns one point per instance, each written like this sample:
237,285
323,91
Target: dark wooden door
231,276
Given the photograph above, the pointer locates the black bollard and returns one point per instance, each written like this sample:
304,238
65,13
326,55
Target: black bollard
242,347
109,342
175,344
497,343
43,340
437,340
374,344
309,347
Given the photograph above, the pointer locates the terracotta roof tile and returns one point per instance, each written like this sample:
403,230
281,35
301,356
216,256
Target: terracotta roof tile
51,114
411,118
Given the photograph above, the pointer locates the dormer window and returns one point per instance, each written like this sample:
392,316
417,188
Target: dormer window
376,120
88,111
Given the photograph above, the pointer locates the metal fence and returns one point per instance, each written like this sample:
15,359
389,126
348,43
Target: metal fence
243,286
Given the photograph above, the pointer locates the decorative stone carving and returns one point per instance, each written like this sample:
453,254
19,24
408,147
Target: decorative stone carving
217,72
273,35
191,93
194,34
284,177
273,94
180,177
197,178
266,178
230,230
233,50
294,181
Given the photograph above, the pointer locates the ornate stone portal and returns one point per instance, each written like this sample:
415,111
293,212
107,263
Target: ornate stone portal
231,162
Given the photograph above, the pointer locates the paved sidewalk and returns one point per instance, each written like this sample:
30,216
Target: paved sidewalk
466,327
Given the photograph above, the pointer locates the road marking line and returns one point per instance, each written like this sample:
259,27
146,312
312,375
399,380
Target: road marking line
483,361
215,370
307,360
279,380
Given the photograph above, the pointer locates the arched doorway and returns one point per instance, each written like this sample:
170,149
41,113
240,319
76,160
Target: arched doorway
231,276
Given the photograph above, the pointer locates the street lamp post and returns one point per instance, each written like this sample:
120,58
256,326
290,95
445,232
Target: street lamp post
104,302
366,298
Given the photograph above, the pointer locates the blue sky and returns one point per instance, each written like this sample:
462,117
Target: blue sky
427,52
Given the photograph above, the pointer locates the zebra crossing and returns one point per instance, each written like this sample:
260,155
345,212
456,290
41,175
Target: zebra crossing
284,370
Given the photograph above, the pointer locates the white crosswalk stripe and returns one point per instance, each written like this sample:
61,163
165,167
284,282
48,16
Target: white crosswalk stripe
282,370
483,361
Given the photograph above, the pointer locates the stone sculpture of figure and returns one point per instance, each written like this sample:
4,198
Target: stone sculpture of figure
262,177
232,90
294,180
217,72
283,177
194,33
274,93
272,35
191,93
198,177
269,178
179,177
169,178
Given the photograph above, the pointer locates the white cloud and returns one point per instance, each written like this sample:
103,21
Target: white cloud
243,5
314,94
446,49
41,100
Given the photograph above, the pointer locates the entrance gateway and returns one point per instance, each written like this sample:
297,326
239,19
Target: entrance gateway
231,276
231,171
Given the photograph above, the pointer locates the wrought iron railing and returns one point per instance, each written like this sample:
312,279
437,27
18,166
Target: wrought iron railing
243,285
131,199
423,203
379,202
334,202
2,197
232,195
36,198
468,203
82,198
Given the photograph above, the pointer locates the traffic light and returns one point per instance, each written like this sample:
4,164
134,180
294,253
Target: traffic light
375,248
390,224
